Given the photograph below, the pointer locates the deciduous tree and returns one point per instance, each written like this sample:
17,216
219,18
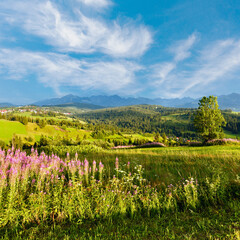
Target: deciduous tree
208,119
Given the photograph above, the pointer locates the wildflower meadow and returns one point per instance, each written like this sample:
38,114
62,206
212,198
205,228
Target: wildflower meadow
37,189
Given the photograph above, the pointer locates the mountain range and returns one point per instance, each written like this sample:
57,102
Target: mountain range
231,101
5,104
113,101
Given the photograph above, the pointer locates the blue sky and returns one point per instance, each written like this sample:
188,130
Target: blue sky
155,48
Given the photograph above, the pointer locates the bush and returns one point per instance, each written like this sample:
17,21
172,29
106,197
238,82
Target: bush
233,188
2,144
223,141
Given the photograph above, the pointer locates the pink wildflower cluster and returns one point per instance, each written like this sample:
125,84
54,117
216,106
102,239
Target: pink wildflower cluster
127,146
224,140
16,165
149,144
158,144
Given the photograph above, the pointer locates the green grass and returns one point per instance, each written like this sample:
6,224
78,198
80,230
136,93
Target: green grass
209,150
138,136
162,166
228,134
169,165
57,118
8,129
176,118
215,223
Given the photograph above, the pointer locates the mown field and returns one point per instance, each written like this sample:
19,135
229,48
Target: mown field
9,128
194,194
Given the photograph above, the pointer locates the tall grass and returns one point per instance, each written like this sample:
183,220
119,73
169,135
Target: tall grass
46,189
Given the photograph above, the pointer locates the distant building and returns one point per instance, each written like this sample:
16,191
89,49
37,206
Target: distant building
3,111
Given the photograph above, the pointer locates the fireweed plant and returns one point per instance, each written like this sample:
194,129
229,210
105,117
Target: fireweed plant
40,188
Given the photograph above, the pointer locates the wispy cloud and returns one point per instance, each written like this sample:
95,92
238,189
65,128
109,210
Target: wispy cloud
180,51
56,70
97,3
159,72
214,63
218,61
77,32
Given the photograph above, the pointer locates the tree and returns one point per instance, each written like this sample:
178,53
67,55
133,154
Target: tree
157,137
208,119
164,137
16,142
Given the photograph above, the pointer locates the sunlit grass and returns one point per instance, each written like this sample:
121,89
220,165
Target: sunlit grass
139,195
8,129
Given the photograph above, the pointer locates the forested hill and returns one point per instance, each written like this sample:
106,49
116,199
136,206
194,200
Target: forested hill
145,119
155,118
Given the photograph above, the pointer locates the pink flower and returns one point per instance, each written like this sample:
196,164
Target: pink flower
101,166
116,163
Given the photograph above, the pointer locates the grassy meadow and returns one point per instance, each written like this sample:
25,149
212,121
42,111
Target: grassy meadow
155,193
9,128
172,163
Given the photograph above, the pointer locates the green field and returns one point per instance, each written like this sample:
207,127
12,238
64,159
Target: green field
218,165
29,114
171,164
57,118
8,129
229,134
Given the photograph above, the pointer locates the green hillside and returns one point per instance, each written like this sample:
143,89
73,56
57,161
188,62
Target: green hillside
8,129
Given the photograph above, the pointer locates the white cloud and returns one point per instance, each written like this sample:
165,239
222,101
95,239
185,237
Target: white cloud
56,70
181,50
214,63
218,61
77,32
159,72
97,3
